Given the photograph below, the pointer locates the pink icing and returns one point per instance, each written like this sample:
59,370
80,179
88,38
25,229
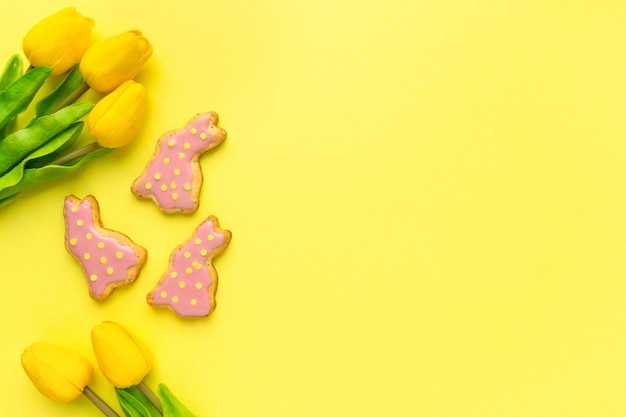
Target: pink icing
104,259
188,286
173,176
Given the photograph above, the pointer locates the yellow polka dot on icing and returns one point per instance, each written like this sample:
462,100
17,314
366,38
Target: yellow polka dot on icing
157,176
166,161
173,186
199,285
176,171
187,254
149,186
188,270
163,294
210,237
193,130
174,274
73,242
171,143
103,260
101,245
164,187
204,252
175,299
193,301
93,277
109,271
89,236
181,155
186,145
187,186
198,241
203,136
174,196
79,222
119,255
197,265
87,256
74,209
181,284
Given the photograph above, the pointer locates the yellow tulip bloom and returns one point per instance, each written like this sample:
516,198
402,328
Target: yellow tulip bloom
123,359
107,64
58,41
116,119
57,372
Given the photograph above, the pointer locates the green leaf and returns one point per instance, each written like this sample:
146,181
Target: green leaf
135,404
47,154
12,71
18,145
15,175
37,176
6,201
17,96
171,406
72,82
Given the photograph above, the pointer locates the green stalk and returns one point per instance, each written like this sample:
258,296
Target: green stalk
77,153
150,396
75,95
99,402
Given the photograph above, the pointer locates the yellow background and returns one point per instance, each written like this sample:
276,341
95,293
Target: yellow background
427,201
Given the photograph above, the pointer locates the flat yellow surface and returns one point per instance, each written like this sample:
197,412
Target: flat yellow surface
427,201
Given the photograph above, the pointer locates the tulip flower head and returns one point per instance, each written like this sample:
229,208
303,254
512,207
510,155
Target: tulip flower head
58,41
57,372
123,359
107,64
116,119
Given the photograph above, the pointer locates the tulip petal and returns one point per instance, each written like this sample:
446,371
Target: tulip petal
116,119
109,63
122,358
58,41
58,373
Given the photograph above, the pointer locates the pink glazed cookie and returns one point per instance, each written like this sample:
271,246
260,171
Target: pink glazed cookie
188,286
109,259
173,177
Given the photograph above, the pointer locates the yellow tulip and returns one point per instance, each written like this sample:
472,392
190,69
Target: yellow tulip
116,119
58,41
123,359
107,64
57,372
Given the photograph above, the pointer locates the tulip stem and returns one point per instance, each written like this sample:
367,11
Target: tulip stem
74,95
75,154
99,402
150,396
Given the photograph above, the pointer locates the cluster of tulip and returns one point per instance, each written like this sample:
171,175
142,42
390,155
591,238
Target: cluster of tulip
61,45
62,374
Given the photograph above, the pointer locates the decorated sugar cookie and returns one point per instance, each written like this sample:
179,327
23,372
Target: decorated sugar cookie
173,177
109,259
188,286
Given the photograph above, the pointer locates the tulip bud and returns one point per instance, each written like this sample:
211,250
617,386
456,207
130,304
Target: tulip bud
123,359
57,372
58,41
107,64
116,119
